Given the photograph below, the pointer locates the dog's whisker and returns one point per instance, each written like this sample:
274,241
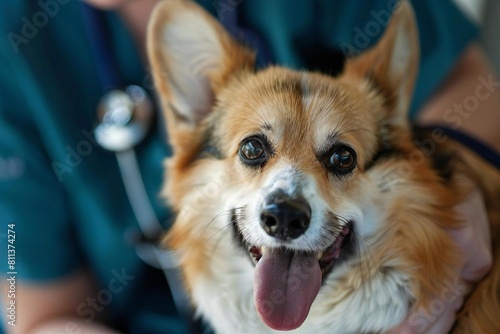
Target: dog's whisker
224,236
220,214
294,146
220,230
363,238
229,246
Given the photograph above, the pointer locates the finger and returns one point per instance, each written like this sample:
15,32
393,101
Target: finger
474,238
440,314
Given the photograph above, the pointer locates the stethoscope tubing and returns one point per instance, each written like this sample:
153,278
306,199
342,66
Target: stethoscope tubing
99,39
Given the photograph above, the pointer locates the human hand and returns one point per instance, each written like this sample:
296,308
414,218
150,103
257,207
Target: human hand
474,242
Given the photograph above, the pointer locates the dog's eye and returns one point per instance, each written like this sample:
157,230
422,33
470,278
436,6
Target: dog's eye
342,159
255,151
251,150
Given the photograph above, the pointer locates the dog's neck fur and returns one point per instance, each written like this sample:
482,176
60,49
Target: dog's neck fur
214,100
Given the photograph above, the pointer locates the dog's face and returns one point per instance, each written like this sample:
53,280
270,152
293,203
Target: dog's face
294,190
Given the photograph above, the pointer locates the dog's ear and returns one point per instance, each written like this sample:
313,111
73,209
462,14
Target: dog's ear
192,57
392,64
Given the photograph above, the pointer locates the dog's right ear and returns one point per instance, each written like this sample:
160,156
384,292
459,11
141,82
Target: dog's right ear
392,63
192,58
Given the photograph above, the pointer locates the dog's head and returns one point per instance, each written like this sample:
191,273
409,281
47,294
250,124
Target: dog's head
316,178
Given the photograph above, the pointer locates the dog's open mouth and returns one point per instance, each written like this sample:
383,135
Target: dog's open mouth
286,282
326,258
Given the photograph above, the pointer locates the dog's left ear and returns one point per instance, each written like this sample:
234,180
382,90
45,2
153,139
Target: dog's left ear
192,57
392,64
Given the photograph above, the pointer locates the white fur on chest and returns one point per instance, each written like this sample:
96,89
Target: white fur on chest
224,295
226,300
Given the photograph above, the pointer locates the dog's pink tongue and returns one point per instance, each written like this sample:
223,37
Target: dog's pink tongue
285,286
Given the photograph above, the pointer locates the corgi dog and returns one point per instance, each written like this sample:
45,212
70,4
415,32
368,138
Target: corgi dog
305,202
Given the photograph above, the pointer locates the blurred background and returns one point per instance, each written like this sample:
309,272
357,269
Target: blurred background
487,14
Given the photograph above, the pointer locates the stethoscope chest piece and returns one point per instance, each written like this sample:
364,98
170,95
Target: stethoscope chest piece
125,117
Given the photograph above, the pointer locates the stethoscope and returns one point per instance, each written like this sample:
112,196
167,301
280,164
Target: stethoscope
125,117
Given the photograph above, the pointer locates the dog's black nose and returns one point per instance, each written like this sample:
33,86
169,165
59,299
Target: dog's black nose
284,217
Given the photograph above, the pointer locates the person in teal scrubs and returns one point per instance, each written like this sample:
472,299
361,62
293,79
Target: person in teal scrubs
62,194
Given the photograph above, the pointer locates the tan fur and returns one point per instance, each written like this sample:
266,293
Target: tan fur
237,59
365,107
481,310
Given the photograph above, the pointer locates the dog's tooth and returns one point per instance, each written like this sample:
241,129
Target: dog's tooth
319,255
262,250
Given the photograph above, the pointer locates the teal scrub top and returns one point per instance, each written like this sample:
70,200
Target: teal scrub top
65,194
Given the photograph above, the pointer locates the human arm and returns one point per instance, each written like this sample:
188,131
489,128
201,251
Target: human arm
36,207
483,123
453,105
51,307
